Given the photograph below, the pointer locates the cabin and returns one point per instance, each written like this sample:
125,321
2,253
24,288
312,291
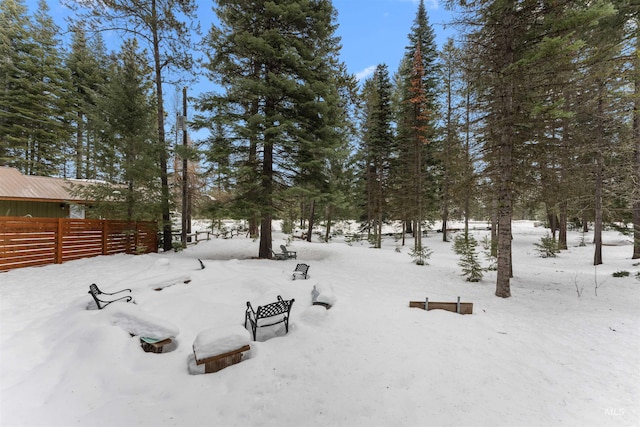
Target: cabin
39,196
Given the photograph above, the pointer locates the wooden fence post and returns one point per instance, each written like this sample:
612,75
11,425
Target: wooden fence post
59,241
137,237
105,236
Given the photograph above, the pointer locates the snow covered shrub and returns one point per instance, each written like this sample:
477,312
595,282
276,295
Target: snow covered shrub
350,238
621,274
471,268
582,242
548,247
420,254
287,226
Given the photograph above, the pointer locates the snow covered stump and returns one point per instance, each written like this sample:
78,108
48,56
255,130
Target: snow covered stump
218,348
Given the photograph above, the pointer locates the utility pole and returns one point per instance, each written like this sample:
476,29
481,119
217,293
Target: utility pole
186,220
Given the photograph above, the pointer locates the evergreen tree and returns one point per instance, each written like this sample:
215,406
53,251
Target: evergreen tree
86,62
512,44
416,173
277,64
128,110
378,146
34,121
163,26
51,91
15,45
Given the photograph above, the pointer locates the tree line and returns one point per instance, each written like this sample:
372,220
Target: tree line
532,112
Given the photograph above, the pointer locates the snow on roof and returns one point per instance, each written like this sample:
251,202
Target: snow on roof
16,186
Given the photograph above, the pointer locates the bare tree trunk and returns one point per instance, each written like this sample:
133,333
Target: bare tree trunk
597,227
164,178
267,189
252,162
311,215
467,167
503,281
506,91
562,237
327,234
598,184
494,227
265,223
636,164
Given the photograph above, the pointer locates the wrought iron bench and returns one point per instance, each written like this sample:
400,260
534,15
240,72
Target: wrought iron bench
268,315
301,270
96,292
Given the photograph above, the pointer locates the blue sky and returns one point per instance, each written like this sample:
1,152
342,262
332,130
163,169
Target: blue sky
375,31
372,31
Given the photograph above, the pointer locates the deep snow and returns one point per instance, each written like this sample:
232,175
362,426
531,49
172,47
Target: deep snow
547,356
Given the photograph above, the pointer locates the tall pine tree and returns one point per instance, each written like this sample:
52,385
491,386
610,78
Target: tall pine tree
277,64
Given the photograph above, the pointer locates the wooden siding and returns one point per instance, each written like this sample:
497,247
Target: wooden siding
33,209
28,242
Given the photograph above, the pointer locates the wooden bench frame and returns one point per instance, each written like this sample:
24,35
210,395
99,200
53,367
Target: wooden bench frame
221,361
455,307
279,308
153,346
95,291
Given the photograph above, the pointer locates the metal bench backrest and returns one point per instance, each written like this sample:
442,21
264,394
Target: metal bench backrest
302,269
279,308
274,309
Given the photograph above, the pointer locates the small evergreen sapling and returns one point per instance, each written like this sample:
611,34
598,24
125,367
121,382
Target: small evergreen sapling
466,248
548,247
420,254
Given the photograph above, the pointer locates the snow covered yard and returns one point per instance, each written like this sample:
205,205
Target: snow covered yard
544,357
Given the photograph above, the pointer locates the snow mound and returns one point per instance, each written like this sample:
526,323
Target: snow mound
135,321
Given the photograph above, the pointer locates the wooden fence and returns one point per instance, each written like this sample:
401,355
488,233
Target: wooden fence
28,242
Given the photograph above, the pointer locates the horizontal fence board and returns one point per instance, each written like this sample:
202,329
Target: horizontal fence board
28,242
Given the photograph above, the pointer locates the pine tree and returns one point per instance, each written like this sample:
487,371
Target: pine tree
416,172
164,26
128,109
34,121
51,92
378,146
277,64
513,44
15,45
86,62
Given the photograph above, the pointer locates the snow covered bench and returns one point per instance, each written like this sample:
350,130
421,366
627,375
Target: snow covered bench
218,348
301,270
155,333
323,295
268,315
101,303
